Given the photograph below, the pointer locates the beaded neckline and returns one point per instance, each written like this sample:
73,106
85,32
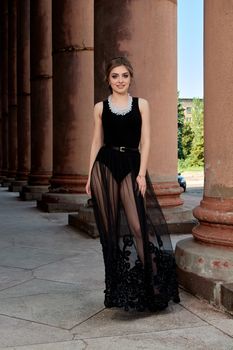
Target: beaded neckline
120,110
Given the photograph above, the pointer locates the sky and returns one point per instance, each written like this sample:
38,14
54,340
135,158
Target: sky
190,48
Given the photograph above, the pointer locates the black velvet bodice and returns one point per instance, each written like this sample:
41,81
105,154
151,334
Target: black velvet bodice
122,130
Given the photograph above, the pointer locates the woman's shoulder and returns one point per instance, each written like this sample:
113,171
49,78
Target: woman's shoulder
98,107
142,101
143,104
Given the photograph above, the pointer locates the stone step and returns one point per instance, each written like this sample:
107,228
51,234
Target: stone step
53,202
86,214
86,226
6,182
205,270
84,221
35,192
227,296
16,186
57,207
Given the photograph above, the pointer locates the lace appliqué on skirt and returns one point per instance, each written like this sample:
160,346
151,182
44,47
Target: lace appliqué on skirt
140,269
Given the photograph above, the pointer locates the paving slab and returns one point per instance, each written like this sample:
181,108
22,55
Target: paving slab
10,277
201,338
4,244
16,332
86,269
224,325
201,308
51,293
35,287
59,305
58,239
28,257
68,345
114,322
41,232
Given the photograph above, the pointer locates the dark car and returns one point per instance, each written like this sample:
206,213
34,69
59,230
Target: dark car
182,181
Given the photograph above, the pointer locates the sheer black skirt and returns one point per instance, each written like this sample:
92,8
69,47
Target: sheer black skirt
140,269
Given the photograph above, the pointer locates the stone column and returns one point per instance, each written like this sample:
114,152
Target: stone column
1,146
23,88
145,31
4,83
1,56
72,102
12,89
209,258
41,100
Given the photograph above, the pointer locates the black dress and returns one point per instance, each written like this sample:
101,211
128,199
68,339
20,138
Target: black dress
140,269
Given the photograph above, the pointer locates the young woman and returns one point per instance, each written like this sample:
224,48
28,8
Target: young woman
138,256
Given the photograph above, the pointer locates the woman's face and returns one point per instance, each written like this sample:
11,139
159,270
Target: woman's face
119,79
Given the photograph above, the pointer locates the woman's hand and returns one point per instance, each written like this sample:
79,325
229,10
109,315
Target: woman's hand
141,181
88,187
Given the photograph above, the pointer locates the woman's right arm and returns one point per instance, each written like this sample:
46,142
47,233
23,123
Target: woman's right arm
97,140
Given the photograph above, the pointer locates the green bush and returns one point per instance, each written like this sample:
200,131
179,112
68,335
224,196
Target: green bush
186,165
191,137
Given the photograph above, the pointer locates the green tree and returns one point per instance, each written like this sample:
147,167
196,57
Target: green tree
196,156
187,139
180,117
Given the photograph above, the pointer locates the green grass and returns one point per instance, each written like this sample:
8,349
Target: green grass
185,167
191,169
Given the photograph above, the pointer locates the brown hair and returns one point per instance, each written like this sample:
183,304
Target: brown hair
116,62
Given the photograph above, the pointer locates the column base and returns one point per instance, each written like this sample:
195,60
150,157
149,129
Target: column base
180,220
61,202
215,216
68,184
16,186
207,271
39,178
7,182
168,194
29,193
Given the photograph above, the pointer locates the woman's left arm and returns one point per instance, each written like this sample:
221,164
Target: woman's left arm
144,144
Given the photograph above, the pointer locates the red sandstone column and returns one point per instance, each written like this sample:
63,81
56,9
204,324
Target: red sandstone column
12,91
205,264
41,100
1,56
41,90
215,212
41,93
4,83
23,87
72,100
1,145
145,31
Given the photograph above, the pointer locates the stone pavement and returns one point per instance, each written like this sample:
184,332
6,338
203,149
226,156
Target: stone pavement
51,293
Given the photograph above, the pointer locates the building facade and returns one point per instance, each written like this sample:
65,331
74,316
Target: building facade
187,104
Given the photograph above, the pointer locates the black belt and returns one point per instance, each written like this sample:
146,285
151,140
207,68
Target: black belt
123,148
